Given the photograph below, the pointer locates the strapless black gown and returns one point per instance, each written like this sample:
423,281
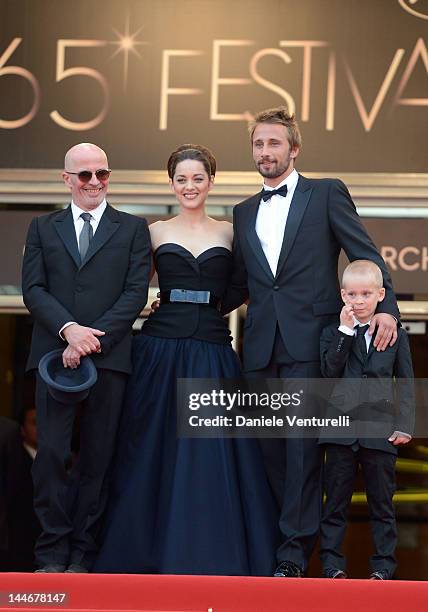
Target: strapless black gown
185,506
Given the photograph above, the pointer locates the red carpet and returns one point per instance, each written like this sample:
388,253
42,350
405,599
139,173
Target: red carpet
220,594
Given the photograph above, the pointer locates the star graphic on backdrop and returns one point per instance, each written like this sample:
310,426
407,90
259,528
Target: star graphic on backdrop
126,44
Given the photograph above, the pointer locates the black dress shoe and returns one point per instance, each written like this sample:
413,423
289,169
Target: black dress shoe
333,572
288,569
380,575
52,568
74,568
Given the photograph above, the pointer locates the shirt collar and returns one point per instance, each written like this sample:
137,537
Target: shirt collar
357,322
96,212
290,181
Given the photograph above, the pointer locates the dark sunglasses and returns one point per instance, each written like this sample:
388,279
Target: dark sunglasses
86,175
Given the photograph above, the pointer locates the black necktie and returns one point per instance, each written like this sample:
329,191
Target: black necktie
267,194
86,234
361,340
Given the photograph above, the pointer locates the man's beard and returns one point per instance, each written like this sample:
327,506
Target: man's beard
276,170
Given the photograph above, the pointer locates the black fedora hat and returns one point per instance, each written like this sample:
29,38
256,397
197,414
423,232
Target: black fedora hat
67,385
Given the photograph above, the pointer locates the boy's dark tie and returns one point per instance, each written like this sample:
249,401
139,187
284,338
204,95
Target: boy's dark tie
361,341
86,234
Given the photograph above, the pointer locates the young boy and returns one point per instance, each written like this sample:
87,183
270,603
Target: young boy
346,352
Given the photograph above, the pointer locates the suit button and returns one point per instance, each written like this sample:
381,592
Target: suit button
79,288
275,287
364,376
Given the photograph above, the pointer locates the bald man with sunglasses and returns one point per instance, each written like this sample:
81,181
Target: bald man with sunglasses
85,279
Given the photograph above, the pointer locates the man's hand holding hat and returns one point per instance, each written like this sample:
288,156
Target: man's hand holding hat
81,341
71,358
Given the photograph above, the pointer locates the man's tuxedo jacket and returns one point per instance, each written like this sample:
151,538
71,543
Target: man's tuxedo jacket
303,297
366,381
105,291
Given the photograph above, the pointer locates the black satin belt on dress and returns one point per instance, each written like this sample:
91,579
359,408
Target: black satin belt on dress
189,296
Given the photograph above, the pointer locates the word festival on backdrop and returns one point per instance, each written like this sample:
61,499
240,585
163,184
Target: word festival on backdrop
335,66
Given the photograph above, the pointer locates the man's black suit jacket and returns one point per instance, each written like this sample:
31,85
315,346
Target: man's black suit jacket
105,291
303,297
367,380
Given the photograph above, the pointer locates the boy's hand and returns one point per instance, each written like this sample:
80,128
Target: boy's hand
346,316
155,305
398,438
386,333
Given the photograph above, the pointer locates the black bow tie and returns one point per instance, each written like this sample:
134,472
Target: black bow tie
267,194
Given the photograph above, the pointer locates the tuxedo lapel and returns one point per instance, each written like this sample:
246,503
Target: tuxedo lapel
298,206
108,225
64,225
253,239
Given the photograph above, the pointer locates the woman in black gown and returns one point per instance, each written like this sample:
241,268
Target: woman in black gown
186,506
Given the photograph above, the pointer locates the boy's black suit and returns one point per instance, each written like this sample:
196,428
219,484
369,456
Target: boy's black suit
341,357
105,291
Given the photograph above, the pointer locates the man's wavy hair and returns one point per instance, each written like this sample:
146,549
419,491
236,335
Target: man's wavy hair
281,116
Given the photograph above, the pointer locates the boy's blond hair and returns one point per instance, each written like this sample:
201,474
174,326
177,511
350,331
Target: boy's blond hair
363,268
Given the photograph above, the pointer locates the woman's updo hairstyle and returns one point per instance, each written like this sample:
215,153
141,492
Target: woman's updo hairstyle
192,151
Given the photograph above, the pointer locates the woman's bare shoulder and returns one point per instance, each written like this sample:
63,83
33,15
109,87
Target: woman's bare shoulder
223,231
227,228
158,229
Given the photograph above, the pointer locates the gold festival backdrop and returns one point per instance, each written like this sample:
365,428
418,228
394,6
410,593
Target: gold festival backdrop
138,77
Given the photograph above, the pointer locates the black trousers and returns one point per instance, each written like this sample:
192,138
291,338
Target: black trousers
379,476
294,468
70,506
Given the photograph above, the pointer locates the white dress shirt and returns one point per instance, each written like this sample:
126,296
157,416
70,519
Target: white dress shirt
272,218
96,215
